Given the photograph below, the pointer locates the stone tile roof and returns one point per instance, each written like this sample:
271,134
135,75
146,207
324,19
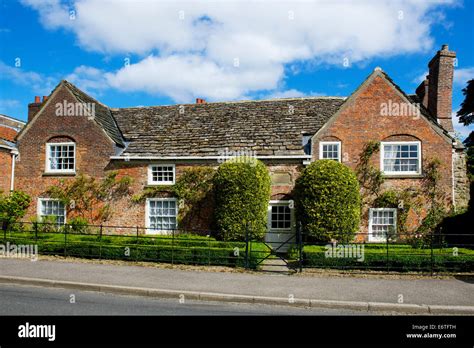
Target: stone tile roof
103,116
7,144
268,127
11,122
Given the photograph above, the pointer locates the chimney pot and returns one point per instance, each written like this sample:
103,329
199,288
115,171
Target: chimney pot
444,47
37,99
45,97
200,101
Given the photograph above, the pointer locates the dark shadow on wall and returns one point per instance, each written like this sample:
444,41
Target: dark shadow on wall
459,229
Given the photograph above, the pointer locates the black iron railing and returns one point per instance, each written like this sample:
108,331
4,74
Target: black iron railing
435,253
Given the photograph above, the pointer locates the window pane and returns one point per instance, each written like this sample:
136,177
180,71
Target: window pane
401,158
280,217
53,208
162,214
383,222
162,173
330,151
61,157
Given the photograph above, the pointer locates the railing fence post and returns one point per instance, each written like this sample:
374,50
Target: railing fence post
65,241
387,259
209,249
100,242
4,227
172,246
137,245
432,256
300,246
247,246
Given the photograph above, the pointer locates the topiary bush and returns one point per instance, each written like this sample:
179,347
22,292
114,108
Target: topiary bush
242,193
327,201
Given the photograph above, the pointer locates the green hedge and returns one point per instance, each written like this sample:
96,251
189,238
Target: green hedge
183,249
401,258
242,192
328,201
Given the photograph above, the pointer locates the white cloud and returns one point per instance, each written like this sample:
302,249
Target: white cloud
38,83
420,78
461,76
9,103
188,49
289,93
182,77
89,79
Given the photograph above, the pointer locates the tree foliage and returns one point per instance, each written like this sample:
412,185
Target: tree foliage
466,113
13,206
242,192
328,201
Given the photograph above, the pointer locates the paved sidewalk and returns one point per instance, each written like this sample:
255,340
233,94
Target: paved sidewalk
452,292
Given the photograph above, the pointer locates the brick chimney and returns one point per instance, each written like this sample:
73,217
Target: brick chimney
440,87
33,108
422,92
200,101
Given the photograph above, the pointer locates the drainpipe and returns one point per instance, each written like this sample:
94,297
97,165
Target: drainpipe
12,183
453,180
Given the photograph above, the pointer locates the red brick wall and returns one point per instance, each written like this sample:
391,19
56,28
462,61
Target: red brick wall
127,213
5,170
93,148
7,133
361,121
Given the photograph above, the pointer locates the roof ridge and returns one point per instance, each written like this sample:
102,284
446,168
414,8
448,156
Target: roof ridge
70,84
102,121
13,119
234,102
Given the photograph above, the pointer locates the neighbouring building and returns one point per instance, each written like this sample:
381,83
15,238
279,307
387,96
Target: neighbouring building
70,133
9,128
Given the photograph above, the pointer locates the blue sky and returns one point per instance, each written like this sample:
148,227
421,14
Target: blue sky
130,53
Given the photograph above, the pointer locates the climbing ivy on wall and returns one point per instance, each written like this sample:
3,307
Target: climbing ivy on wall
370,178
193,189
90,198
428,198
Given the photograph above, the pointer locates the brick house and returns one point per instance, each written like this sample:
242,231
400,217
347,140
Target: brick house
154,145
9,128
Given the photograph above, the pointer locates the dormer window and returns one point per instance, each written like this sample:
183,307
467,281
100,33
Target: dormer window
307,144
161,174
61,157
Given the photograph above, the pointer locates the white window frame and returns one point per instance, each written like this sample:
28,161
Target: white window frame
48,162
321,145
39,205
288,203
150,174
372,238
150,230
391,173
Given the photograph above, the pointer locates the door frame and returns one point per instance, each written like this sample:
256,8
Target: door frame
292,229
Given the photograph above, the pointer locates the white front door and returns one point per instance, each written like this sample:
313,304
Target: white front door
280,232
